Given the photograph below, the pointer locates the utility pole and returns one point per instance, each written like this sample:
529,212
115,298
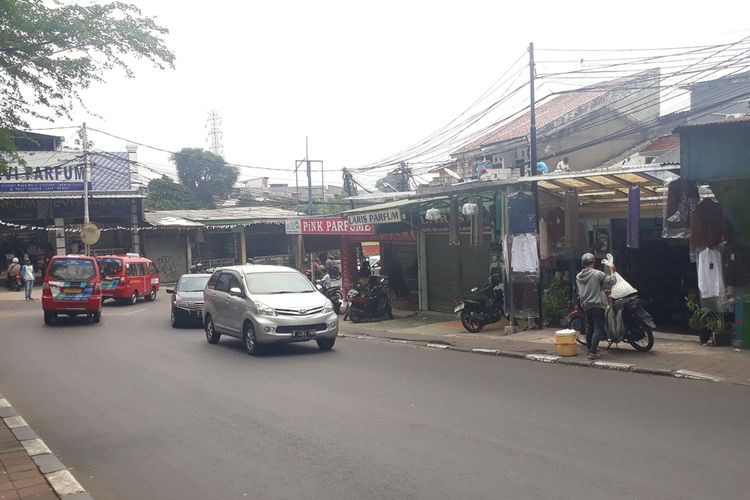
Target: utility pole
309,180
214,133
534,170
85,141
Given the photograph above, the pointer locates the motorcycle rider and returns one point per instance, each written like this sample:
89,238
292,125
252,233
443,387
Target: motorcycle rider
591,285
13,269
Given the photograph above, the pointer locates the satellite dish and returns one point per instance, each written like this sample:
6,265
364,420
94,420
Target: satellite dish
90,233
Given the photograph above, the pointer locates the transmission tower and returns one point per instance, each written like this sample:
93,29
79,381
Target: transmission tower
214,133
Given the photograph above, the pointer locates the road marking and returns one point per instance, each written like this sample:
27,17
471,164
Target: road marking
64,483
438,346
35,447
15,422
544,358
695,375
134,312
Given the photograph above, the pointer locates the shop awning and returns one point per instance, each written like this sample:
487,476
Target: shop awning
612,183
395,204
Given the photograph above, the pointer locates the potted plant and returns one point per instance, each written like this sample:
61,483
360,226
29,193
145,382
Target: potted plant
710,325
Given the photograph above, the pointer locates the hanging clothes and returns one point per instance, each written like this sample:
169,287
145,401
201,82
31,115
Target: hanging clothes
706,224
634,217
521,214
556,228
572,225
682,196
524,256
710,274
544,247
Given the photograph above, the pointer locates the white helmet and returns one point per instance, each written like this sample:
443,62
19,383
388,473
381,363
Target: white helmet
15,260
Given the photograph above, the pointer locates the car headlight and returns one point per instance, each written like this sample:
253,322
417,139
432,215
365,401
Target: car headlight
264,310
328,307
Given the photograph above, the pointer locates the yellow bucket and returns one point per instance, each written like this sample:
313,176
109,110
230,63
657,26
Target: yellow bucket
565,341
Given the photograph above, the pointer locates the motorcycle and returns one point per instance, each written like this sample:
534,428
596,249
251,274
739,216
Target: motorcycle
369,302
15,283
626,320
333,293
334,272
475,313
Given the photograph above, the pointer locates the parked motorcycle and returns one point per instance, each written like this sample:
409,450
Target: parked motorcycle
626,321
15,283
333,293
370,302
334,272
488,306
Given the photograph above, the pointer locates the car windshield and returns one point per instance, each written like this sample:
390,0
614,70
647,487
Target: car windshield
110,267
193,283
72,269
275,283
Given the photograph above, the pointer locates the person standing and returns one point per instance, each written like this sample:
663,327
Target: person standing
27,273
591,285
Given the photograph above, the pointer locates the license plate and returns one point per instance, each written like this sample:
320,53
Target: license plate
459,308
304,333
71,290
195,314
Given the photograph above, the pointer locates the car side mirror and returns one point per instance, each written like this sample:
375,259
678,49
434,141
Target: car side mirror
235,292
170,290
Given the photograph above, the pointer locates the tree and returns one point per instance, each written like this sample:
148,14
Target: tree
206,174
166,194
50,51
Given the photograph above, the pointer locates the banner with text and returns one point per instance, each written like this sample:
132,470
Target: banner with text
389,216
326,225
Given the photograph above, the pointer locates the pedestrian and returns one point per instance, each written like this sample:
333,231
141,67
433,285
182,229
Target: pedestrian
27,273
591,285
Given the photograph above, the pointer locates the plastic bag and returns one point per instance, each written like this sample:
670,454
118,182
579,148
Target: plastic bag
622,288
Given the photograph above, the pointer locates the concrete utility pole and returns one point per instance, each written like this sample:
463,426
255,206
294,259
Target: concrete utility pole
534,170
85,141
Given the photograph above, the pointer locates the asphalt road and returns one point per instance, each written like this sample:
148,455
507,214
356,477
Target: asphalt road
142,411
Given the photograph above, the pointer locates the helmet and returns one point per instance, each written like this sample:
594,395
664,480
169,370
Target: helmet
587,259
15,260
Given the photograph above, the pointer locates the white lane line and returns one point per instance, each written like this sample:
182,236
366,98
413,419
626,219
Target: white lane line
15,422
35,447
64,483
129,313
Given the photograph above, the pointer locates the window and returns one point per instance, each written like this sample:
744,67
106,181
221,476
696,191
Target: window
274,283
130,269
224,281
498,162
110,267
234,282
213,281
72,269
153,269
192,283
142,269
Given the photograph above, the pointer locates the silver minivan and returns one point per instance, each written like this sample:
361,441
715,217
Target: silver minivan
265,305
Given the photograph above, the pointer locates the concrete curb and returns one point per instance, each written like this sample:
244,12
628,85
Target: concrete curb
553,359
58,476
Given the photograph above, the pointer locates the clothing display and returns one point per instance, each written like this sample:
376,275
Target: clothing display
544,248
682,196
524,298
634,217
521,210
710,273
524,257
735,259
706,224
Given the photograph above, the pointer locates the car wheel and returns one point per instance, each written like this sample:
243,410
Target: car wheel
151,296
249,342
96,317
211,334
134,298
174,319
49,318
325,344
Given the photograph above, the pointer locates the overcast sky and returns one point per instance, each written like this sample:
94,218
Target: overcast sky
361,79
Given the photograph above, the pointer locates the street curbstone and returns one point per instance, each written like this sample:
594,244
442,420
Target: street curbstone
653,371
611,365
48,463
35,447
64,483
575,362
512,354
7,411
689,374
544,358
24,433
13,422
437,346
488,352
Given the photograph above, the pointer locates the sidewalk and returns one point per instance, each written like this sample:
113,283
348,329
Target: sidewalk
672,355
28,469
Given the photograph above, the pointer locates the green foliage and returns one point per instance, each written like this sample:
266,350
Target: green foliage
703,319
50,51
165,194
204,173
555,301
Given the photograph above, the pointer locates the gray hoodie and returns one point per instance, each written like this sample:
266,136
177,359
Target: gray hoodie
591,286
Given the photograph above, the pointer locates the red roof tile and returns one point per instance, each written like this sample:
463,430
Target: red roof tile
664,143
547,112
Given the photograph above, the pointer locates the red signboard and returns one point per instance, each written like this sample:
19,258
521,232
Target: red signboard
333,225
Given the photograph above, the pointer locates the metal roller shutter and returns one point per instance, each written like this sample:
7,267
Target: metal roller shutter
443,278
475,263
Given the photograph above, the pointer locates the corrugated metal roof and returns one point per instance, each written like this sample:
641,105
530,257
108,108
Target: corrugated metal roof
722,123
239,214
155,219
395,204
63,195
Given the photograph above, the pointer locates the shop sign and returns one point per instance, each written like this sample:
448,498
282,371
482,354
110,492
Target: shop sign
42,179
326,225
378,217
